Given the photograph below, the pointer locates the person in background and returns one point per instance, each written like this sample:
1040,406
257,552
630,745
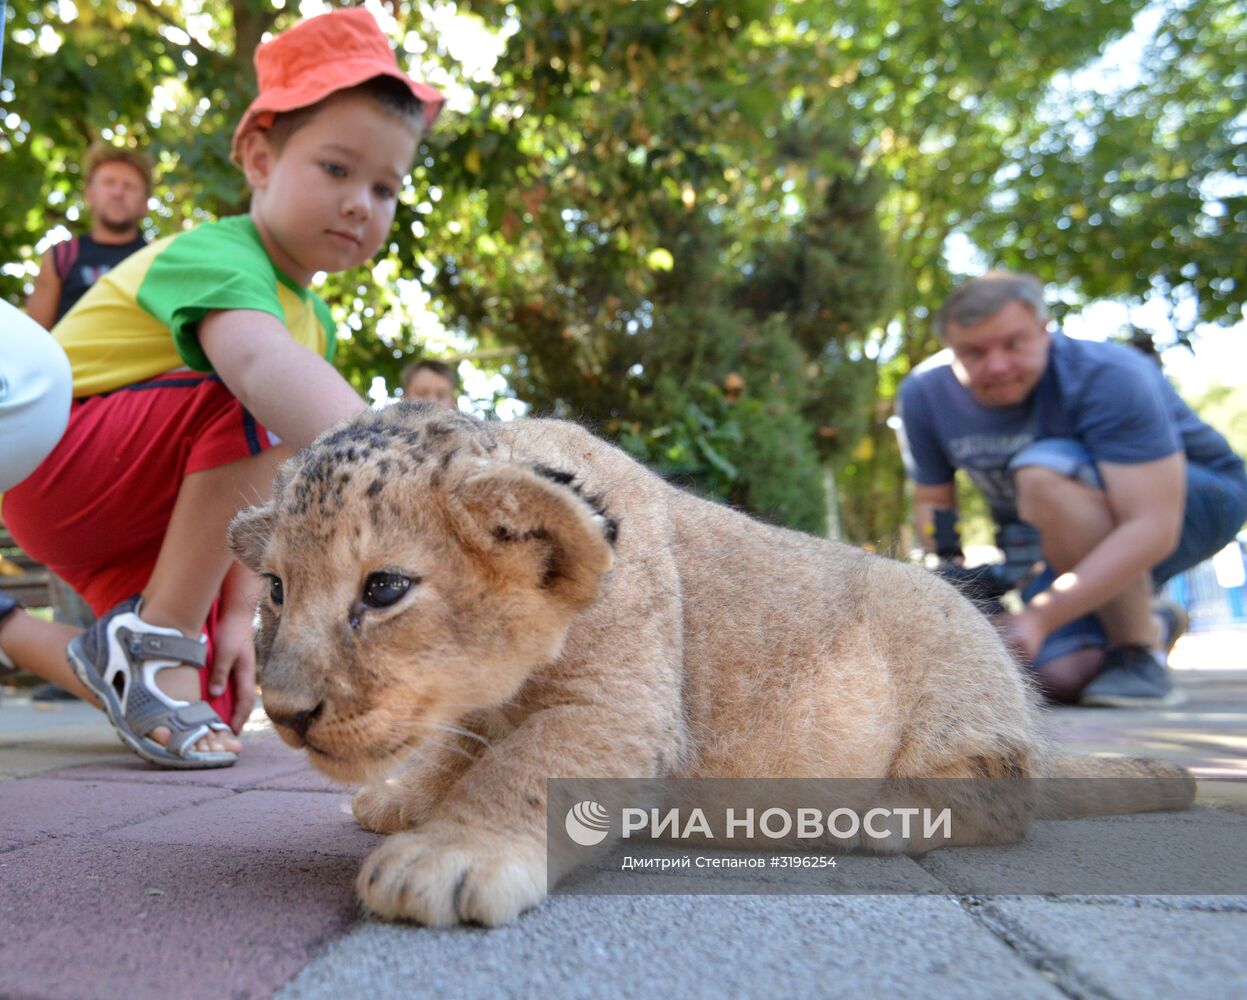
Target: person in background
118,185
1089,446
433,381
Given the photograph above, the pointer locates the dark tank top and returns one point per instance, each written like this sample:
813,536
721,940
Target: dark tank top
92,261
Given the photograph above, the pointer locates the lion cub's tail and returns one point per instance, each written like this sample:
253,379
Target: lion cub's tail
1074,785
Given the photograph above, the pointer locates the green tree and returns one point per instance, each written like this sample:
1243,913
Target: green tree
714,230
1133,189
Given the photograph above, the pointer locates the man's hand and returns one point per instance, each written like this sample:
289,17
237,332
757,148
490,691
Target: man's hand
1024,633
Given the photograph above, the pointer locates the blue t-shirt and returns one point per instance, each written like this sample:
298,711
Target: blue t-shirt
1110,398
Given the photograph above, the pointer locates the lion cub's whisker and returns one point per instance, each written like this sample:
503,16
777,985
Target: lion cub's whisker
460,731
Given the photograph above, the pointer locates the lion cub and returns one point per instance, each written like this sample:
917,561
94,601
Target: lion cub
491,605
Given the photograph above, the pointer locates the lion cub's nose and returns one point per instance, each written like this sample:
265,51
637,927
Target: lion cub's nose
297,721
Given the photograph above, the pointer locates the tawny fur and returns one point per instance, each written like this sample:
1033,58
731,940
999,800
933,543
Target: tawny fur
572,615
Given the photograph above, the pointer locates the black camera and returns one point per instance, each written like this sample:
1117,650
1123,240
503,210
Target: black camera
985,585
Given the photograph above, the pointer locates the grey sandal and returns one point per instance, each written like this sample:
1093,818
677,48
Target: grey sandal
118,659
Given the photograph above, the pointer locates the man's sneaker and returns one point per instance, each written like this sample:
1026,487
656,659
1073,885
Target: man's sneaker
1173,621
1132,677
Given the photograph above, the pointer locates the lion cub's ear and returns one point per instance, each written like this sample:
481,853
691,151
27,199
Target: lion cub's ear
249,533
530,528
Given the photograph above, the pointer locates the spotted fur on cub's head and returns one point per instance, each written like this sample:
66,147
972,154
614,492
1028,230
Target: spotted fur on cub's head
413,573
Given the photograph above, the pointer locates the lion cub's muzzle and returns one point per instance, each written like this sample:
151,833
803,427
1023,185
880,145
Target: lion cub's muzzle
293,723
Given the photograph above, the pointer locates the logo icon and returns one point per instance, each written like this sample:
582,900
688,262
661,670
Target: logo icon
588,823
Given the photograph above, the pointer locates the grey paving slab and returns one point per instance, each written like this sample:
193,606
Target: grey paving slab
39,809
24,761
292,825
38,739
1197,851
688,947
1131,951
21,715
96,918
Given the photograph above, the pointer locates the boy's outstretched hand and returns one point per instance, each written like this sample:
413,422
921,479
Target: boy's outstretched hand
233,661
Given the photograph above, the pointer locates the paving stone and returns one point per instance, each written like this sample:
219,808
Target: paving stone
853,874
21,715
684,946
293,825
89,918
1135,952
307,779
1197,851
264,757
23,761
39,809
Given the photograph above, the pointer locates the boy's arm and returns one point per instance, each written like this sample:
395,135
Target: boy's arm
45,298
292,391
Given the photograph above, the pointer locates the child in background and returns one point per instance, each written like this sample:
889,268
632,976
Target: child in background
430,380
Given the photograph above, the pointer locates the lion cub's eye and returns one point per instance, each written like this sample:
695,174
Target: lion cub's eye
276,593
383,589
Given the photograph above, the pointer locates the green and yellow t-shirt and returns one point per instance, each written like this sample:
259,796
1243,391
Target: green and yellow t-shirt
141,319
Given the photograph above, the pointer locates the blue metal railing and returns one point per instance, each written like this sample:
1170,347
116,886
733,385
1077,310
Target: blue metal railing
1210,605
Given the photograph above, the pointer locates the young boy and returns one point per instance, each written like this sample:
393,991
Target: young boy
199,364
431,380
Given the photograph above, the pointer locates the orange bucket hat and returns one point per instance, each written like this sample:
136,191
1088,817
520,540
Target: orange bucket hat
319,56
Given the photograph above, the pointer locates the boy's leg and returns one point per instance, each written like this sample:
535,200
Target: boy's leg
39,647
194,559
99,510
187,578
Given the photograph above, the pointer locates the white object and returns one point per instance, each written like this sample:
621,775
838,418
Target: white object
36,386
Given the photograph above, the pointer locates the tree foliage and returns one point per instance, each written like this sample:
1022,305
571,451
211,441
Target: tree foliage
1135,187
713,230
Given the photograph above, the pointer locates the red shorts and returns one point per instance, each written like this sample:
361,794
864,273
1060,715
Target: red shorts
96,511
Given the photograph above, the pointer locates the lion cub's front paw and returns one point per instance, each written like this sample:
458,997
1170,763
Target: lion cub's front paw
447,874
379,807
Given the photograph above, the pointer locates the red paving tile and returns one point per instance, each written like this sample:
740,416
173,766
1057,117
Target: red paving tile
91,917
264,759
290,825
39,809
306,780
120,879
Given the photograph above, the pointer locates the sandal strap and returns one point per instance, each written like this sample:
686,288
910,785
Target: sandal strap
145,712
152,646
199,720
